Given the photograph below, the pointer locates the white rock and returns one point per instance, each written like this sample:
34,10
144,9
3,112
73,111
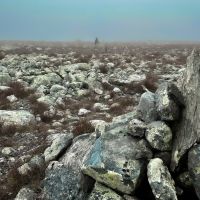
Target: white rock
83,111
12,98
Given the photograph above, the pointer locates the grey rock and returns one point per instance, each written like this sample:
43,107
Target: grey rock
194,167
4,79
137,128
185,180
167,108
100,192
63,179
8,151
159,135
160,180
147,107
59,144
26,194
115,165
17,117
47,80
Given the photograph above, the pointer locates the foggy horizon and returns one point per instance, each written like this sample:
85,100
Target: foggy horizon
110,21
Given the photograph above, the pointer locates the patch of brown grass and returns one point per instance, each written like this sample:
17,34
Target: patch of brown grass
19,90
81,127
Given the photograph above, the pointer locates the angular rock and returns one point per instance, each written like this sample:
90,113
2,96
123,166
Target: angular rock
187,130
63,179
115,165
100,192
159,135
17,117
167,108
137,128
194,168
147,107
160,180
59,144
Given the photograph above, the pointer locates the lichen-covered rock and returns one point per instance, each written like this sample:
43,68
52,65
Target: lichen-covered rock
100,192
113,161
47,80
64,179
26,194
167,108
159,135
137,128
185,180
194,167
59,144
16,117
4,79
160,180
147,107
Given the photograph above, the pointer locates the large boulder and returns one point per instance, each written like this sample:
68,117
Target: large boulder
147,107
160,180
114,160
188,129
16,117
63,179
159,135
194,167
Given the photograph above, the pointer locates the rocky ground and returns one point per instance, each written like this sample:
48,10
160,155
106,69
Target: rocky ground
69,117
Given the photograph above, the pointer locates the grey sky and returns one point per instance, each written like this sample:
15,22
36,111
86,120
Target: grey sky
110,20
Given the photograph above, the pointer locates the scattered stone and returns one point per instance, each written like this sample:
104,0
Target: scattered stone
17,117
12,98
8,151
159,135
160,180
83,111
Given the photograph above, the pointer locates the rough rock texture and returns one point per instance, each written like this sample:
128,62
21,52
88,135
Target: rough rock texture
101,192
188,130
26,194
137,128
159,135
64,179
167,108
147,107
59,144
116,165
160,180
17,117
194,167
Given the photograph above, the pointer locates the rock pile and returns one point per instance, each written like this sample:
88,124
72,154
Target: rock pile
132,151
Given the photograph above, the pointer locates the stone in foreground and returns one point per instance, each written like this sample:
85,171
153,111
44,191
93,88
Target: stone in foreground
26,194
63,179
116,165
101,192
61,142
160,180
147,107
194,167
159,135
